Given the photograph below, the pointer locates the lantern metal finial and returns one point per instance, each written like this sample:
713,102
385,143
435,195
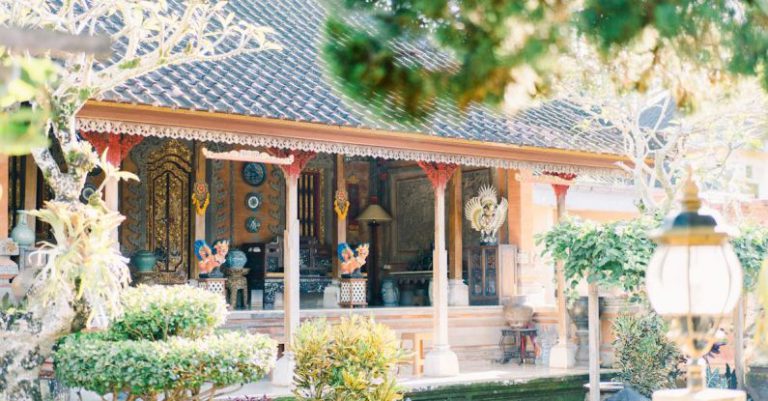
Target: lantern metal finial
691,201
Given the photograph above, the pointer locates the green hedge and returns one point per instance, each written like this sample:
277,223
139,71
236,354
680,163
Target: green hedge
94,362
164,344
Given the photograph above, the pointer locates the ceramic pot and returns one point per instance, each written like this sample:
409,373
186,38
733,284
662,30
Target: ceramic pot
517,313
22,234
236,259
144,261
757,381
390,294
580,312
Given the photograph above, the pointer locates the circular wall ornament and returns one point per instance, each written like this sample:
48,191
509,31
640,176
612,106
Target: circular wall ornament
254,173
253,201
87,191
252,224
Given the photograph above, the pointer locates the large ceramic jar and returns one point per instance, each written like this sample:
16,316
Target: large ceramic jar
236,259
517,313
390,294
22,234
579,311
144,261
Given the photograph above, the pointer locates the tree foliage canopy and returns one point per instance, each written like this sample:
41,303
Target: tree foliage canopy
504,48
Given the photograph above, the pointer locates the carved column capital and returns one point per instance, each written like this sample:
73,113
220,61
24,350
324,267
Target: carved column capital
300,160
118,145
438,173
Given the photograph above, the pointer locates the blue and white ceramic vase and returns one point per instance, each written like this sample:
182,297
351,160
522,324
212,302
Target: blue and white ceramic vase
22,234
236,259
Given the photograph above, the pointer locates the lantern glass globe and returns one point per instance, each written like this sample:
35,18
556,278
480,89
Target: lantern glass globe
702,280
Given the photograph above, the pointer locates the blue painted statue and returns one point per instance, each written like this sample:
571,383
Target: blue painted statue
209,261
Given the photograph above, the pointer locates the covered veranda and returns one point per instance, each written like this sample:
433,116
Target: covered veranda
457,324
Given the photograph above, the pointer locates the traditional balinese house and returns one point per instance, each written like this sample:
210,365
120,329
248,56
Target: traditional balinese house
421,174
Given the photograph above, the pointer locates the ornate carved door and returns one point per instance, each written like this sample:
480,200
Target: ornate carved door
169,178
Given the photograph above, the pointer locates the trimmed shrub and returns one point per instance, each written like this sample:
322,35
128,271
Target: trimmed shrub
146,368
646,360
354,360
162,348
159,312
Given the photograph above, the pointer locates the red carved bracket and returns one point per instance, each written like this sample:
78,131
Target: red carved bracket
561,189
300,160
438,173
118,145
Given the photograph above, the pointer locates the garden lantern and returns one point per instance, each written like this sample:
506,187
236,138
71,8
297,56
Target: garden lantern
694,280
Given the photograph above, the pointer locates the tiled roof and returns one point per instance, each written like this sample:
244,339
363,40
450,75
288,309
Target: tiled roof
293,84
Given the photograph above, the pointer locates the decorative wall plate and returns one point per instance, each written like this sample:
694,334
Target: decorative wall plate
254,173
87,191
253,201
253,224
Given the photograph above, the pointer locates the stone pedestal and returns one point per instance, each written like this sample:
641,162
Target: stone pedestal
582,350
562,356
441,362
282,374
458,293
706,395
331,295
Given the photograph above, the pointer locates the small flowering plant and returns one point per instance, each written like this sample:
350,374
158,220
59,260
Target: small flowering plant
355,359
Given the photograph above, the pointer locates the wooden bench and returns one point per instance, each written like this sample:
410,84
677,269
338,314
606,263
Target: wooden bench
417,358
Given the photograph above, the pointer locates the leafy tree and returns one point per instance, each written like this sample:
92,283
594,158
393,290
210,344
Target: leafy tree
146,37
612,254
81,281
492,50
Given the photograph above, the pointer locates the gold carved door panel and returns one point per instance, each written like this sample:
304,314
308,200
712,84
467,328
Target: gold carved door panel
169,177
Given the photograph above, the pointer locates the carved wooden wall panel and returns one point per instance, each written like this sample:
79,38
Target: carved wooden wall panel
412,203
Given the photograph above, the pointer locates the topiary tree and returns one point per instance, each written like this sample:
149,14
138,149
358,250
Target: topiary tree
612,254
353,360
166,347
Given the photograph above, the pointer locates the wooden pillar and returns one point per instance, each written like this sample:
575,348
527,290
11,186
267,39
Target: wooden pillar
30,191
563,355
440,361
4,196
520,212
562,310
200,172
117,147
283,372
341,224
594,343
455,220
738,343
291,258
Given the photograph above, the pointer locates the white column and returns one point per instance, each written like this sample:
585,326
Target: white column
111,195
440,361
563,354
594,343
283,372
